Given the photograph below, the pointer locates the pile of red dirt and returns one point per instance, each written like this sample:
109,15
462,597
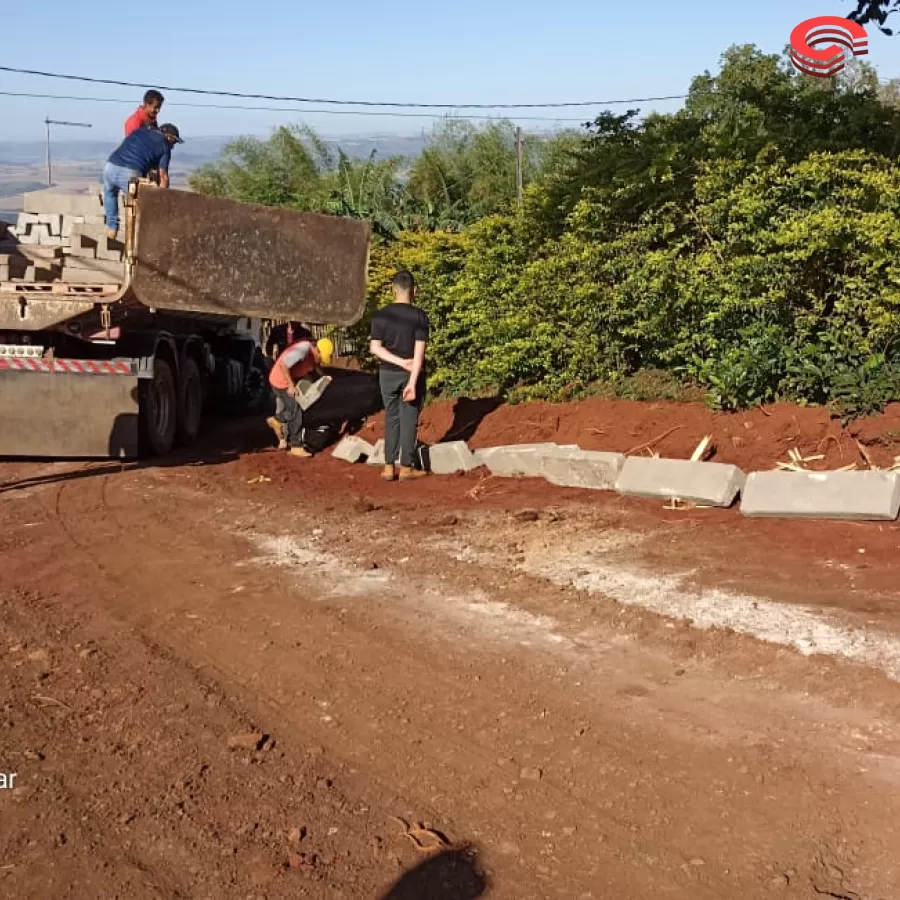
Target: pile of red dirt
754,440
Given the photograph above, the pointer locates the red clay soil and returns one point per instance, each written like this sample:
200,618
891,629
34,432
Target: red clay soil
753,440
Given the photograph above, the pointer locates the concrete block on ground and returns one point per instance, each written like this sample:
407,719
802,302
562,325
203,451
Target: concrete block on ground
352,449
860,496
520,459
94,220
448,458
49,240
589,469
376,457
23,220
54,201
712,484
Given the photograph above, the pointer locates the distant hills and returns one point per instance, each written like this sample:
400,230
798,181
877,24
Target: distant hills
195,151
76,163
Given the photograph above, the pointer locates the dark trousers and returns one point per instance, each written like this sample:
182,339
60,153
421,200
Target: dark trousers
291,416
401,418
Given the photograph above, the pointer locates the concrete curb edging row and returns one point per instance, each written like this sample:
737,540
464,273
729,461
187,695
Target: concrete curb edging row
860,496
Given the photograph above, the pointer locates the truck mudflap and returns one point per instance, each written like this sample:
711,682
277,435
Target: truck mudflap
207,255
68,408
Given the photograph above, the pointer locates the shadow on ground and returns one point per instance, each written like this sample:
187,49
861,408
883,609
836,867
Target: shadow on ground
450,875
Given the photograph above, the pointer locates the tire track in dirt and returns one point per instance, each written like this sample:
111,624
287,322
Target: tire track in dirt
349,675
444,759
451,749
656,797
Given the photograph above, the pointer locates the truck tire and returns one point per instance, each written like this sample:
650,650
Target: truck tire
190,401
159,410
257,396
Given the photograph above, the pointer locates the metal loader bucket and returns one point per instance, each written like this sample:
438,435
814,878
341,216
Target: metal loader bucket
206,255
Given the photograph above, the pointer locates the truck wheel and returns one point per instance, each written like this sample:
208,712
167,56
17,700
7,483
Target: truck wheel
190,406
159,410
257,394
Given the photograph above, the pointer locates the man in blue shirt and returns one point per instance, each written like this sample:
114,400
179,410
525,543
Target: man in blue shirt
142,152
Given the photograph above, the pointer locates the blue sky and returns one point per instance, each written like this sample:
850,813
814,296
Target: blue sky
471,51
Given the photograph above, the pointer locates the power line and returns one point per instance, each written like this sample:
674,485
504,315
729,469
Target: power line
292,109
327,102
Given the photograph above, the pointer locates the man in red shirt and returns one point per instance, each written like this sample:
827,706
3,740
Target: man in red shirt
145,115
292,371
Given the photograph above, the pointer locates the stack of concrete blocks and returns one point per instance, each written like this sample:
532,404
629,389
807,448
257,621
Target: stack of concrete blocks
61,237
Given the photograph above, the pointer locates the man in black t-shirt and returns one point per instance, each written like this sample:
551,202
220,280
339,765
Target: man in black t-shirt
399,336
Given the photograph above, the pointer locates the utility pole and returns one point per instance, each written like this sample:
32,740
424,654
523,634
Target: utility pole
48,122
519,193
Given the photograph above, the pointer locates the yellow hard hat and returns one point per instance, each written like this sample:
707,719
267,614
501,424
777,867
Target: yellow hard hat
326,351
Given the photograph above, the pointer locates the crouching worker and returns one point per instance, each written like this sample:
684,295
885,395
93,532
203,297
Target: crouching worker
294,371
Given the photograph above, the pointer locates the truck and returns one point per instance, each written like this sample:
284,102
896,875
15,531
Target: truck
116,349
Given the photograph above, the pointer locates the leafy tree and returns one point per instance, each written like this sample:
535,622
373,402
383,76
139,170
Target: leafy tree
288,169
757,107
471,170
875,11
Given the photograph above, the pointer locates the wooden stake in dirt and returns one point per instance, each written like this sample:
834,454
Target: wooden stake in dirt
701,450
798,461
865,455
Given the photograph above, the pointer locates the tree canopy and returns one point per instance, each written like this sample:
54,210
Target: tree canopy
877,11
745,244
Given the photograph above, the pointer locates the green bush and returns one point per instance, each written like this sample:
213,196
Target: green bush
783,283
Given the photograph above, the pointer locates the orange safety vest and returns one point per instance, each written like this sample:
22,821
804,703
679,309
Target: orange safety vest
304,367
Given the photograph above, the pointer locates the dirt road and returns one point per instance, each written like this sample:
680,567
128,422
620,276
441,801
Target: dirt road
219,685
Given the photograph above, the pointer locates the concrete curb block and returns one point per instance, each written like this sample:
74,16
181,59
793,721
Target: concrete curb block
860,496
352,449
593,470
376,457
714,484
521,460
449,458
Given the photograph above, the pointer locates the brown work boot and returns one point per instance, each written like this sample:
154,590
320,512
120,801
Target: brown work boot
301,453
277,427
407,473
388,474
